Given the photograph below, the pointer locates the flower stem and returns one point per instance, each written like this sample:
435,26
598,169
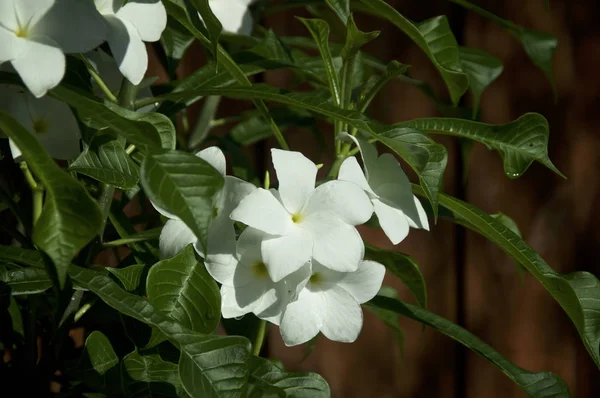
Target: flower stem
37,190
109,94
204,123
260,337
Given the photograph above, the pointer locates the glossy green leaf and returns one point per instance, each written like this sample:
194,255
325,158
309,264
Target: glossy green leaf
25,280
129,276
32,258
375,83
427,158
482,68
212,23
341,9
254,129
175,41
536,385
539,46
319,30
578,293
100,351
184,185
70,217
508,223
519,142
182,288
434,37
137,237
105,160
98,115
156,337
404,267
269,380
151,369
210,366
390,318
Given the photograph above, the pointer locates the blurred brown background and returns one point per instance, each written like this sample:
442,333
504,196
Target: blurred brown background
469,280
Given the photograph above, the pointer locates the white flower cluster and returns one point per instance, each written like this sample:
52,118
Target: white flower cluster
299,261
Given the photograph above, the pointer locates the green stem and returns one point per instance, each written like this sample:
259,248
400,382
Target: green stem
37,190
202,127
260,337
335,167
109,94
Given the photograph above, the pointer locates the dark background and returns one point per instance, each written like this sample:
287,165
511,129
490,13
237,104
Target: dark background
470,280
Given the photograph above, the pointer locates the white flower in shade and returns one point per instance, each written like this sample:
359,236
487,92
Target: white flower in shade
306,222
245,283
234,15
107,68
329,302
36,34
388,188
175,235
130,25
52,122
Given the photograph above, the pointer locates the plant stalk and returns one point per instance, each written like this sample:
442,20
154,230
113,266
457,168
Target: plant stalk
260,337
37,191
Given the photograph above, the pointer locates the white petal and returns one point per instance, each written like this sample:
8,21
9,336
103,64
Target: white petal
392,220
74,24
303,318
261,210
231,306
296,175
368,153
337,245
215,157
8,15
41,65
233,15
365,282
271,306
29,12
421,221
128,49
343,198
286,254
148,16
220,259
233,192
174,237
249,245
108,7
12,46
343,316
351,171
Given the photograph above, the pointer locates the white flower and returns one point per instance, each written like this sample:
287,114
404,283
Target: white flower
234,15
329,302
246,286
49,120
175,235
107,68
130,26
388,188
306,222
36,34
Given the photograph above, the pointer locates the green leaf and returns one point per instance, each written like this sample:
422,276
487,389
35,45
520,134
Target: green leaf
101,353
356,39
341,9
182,288
175,40
32,258
212,23
156,337
482,68
184,185
427,158
538,384
404,267
16,317
254,129
267,380
390,318
577,293
434,37
137,237
105,160
508,223
98,115
519,142
151,369
25,280
129,276
210,366
319,29
539,46
215,367
70,217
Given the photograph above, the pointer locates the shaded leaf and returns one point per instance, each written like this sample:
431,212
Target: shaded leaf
341,8
212,23
70,217
129,276
25,280
482,68
151,369
390,318
175,40
101,353
32,258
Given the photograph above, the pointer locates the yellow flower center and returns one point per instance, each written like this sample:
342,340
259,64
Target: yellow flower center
296,218
260,270
316,279
21,33
40,126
